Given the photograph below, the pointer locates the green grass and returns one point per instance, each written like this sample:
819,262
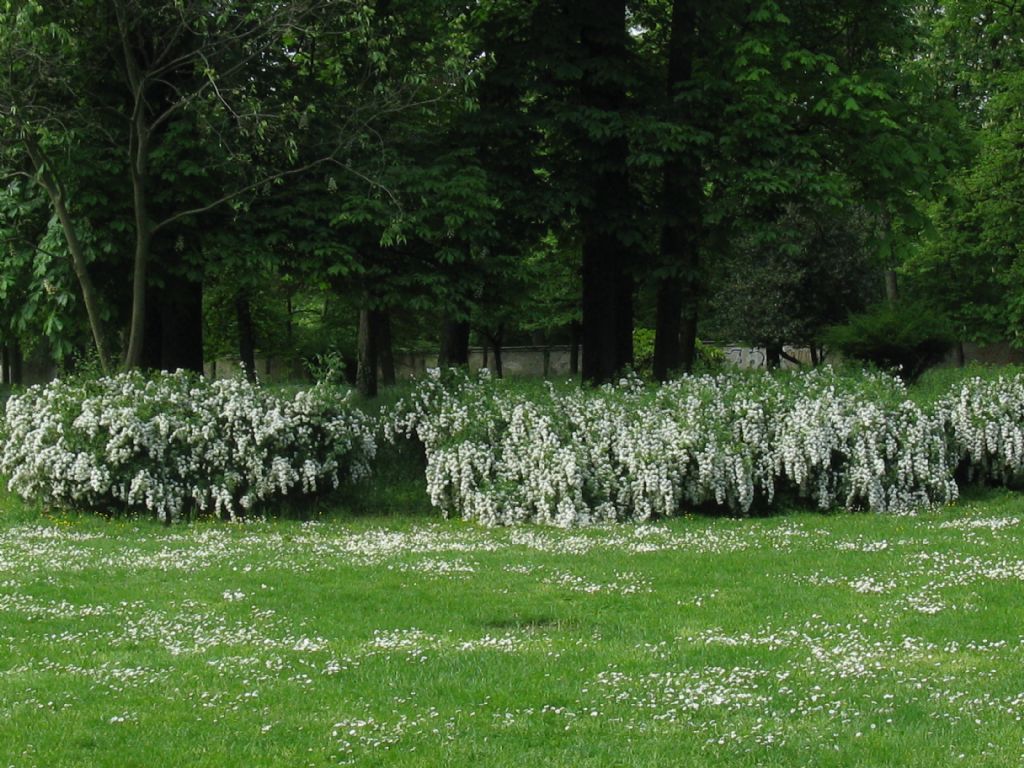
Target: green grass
939,382
373,636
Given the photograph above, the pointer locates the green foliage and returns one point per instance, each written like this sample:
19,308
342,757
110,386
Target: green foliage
643,352
905,337
432,159
787,281
709,359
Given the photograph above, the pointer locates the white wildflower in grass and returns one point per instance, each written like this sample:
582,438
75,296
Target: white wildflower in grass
175,443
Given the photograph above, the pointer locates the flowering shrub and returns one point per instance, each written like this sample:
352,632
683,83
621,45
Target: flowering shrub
176,443
573,456
986,424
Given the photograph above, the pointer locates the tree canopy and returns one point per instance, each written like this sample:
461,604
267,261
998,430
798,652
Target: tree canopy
181,182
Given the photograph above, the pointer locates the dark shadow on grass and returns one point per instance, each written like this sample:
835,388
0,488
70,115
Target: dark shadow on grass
396,487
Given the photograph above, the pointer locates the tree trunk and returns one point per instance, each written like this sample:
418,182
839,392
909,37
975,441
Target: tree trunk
246,336
624,325
815,356
575,333
138,153
773,356
497,340
958,354
892,293
366,351
15,361
688,337
606,301
678,293
55,192
5,364
385,349
668,328
454,343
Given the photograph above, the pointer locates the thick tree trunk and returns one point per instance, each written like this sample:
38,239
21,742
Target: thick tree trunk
668,328
454,343
366,353
679,292
815,355
958,354
773,356
246,336
600,306
90,298
624,325
607,316
385,349
575,334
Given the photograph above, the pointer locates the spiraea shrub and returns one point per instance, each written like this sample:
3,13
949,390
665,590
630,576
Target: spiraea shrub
571,456
985,419
175,444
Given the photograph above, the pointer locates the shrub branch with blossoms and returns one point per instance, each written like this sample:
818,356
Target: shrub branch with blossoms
630,452
985,422
176,443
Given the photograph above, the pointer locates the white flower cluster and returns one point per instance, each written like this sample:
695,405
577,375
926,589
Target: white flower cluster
572,456
176,443
986,421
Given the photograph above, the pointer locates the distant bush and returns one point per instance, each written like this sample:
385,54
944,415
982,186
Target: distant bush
708,358
177,443
906,338
643,352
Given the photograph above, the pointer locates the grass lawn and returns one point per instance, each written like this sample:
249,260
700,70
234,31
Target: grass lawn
398,639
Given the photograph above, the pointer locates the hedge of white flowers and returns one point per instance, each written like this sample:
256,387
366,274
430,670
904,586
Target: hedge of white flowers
176,444
573,456
986,426
556,454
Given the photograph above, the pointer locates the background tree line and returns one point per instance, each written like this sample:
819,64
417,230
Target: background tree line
201,178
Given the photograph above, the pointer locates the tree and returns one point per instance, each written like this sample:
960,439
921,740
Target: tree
791,288
969,263
228,72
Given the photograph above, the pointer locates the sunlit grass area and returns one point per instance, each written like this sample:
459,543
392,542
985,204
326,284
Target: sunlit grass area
399,639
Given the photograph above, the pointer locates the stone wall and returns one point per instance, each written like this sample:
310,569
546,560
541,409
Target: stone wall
515,361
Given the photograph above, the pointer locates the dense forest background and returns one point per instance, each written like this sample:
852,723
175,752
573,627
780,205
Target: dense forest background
193,179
